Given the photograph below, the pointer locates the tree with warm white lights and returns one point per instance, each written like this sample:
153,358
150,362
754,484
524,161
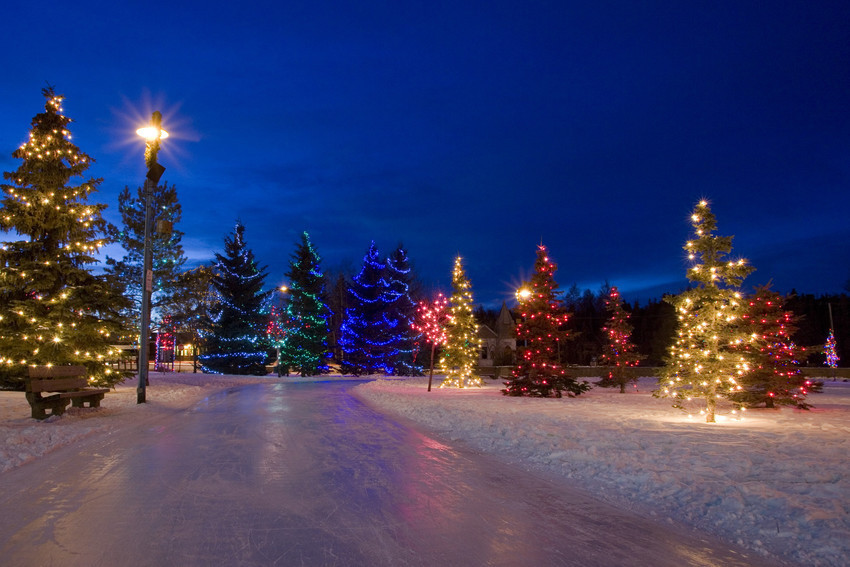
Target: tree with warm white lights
460,352
364,337
775,377
540,371
304,344
619,352
707,361
236,342
53,309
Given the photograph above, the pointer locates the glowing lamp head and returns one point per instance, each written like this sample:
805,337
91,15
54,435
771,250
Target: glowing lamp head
523,293
151,133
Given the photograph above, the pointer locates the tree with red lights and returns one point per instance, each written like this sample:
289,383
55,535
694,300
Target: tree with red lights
539,371
619,351
431,320
775,378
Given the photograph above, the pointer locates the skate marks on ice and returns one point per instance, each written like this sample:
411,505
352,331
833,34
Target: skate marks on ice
305,474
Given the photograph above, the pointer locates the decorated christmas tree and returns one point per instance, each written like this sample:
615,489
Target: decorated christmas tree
364,337
540,371
830,351
400,314
237,342
706,361
53,309
775,377
304,345
460,353
619,352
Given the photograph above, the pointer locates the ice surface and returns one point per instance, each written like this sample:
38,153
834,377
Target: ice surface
301,474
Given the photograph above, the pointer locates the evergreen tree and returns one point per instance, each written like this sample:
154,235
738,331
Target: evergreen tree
775,378
364,336
460,352
399,315
191,305
304,347
53,309
166,248
706,361
829,350
236,343
619,353
539,371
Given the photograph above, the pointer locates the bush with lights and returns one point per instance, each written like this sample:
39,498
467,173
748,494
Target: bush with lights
460,352
707,360
540,371
304,341
619,352
236,341
53,309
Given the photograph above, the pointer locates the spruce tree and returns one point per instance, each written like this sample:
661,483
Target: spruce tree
619,352
706,361
304,346
462,347
364,337
53,309
400,315
237,343
775,377
166,248
540,371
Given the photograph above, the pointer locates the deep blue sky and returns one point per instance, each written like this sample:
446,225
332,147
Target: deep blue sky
478,128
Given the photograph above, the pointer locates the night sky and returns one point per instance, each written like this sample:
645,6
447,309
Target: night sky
471,128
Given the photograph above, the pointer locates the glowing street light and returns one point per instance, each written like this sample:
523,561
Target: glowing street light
523,294
152,135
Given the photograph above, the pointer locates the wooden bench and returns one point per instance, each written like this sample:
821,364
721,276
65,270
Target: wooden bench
68,384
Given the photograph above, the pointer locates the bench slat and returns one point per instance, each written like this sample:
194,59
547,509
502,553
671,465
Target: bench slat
56,371
81,393
56,384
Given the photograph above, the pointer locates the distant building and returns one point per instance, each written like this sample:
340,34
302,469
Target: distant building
498,346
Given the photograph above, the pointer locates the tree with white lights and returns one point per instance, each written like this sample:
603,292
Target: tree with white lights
53,309
460,353
706,361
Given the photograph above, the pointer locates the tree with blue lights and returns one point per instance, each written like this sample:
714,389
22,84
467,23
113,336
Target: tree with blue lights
236,343
304,344
540,371
399,315
53,308
364,336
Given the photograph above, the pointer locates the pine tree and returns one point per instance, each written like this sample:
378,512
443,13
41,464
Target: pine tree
830,351
166,248
775,377
400,315
539,371
304,347
364,336
620,353
237,342
460,353
706,361
53,309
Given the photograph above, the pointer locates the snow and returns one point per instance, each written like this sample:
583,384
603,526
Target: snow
775,482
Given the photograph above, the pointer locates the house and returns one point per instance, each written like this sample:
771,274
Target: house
498,346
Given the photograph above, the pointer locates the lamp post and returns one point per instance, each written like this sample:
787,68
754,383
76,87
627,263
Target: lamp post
152,135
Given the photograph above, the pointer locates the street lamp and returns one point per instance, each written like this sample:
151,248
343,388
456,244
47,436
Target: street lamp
152,135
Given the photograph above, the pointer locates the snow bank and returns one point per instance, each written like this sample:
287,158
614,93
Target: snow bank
775,482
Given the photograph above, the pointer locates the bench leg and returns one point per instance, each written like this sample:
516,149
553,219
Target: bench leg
56,408
93,401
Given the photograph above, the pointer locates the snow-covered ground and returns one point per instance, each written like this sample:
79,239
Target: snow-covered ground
776,482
